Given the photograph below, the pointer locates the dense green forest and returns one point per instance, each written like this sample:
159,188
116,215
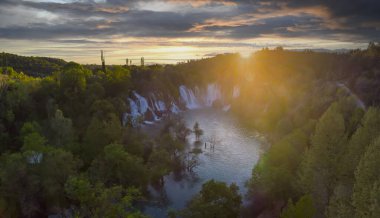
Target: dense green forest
65,151
32,66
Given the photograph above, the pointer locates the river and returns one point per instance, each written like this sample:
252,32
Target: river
235,153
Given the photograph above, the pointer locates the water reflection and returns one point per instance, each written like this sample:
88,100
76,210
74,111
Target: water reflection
231,159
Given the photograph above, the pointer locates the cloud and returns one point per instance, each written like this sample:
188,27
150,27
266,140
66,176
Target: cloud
238,19
238,23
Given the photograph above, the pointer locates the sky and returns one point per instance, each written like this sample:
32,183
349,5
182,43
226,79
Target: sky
175,30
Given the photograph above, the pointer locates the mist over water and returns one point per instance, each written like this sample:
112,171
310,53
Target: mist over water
236,152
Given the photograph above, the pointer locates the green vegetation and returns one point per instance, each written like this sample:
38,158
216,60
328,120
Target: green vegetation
64,149
32,66
216,199
323,140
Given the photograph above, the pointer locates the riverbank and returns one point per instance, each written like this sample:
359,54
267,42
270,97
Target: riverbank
230,160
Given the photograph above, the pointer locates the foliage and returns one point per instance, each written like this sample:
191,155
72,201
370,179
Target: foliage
276,170
33,66
216,199
302,209
366,186
98,201
63,146
117,166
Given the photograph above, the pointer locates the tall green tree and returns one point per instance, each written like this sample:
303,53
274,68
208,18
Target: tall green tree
117,166
276,171
318,169
61,128
302,209
159,165
367,177
99,201
100,133
216,199
53,180
367,131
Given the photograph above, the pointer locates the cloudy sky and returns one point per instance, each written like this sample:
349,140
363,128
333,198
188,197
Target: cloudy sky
171,30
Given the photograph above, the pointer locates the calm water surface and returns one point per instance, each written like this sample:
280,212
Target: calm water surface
235,153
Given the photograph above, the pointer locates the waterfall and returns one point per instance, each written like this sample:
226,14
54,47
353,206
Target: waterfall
155,117
213,93
193,100
188,97
161,105
157,105
133,115
152,108
174,108
134,108
183,94
142,102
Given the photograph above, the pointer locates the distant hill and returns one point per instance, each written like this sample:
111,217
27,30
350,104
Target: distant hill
33,66
323,50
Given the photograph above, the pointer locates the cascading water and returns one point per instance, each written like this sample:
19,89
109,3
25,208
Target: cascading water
174,108
161,105
183,93
134,108
155,117
133,115
155,104
193,100
213,93
142,103
188,97
153,108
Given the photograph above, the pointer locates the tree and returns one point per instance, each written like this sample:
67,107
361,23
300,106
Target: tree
180,130
99,201
72,82
100,133
197,131
119,167
53,180
18,188
72,79
302,209
137,143
363,136
173,146
34,144
366,181
61,128
159,165
276,171
216,199
191,161
321,162
32,188
102,108
341,202
117,81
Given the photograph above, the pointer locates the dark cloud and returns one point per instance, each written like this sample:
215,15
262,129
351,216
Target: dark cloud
337,19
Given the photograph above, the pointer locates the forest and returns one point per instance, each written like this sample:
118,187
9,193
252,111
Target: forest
66,152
